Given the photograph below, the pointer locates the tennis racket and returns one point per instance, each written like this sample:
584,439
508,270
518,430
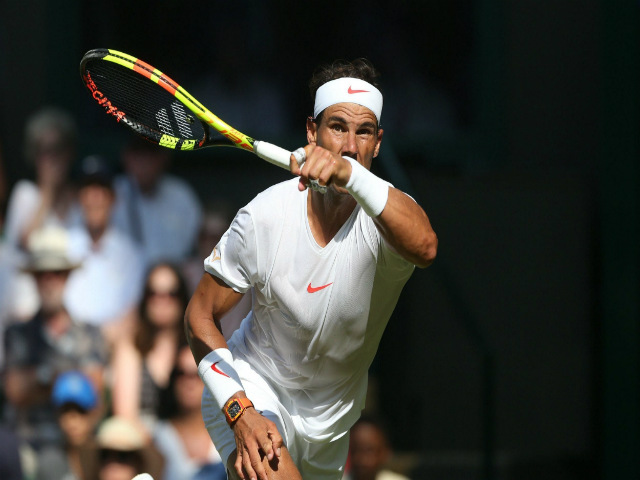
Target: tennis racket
157,108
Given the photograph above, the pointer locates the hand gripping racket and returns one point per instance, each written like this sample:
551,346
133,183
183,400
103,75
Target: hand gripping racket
157,108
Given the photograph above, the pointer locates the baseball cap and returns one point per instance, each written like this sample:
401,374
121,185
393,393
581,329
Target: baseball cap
95,169
76,388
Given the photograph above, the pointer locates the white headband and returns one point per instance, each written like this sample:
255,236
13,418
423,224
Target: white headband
348,90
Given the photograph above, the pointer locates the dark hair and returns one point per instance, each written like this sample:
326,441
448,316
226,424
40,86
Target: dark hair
146,330
359,68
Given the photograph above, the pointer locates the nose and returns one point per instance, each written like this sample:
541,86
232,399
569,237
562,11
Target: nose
350,149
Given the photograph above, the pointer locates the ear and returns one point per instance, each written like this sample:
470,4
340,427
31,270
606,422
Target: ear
378,142
312,131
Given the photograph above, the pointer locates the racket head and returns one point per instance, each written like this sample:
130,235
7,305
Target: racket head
152,104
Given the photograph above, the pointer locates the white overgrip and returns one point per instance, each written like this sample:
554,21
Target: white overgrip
272,153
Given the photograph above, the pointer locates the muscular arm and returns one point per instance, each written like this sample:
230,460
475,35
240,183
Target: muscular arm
406,227
211,300
257,438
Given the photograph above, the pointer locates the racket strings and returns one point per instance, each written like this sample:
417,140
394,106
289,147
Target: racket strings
148,108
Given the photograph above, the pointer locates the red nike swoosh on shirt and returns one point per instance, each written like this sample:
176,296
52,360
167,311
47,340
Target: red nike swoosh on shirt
217,370
311,289
350,91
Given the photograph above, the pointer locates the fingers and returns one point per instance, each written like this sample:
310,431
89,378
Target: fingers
319,167
253,446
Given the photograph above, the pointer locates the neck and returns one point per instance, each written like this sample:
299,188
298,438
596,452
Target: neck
96,233
327,213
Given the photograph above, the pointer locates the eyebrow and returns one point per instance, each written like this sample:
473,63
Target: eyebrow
335,118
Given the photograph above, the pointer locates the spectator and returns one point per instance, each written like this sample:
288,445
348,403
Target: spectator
181,436
123,451
142,364
158,210
50,147
105,289
370,451
38,350
76,401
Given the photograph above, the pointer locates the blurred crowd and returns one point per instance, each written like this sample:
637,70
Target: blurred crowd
98,259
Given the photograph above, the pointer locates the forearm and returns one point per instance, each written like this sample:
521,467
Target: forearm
211,300
202,332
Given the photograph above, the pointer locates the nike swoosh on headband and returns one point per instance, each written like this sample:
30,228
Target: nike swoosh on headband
351,91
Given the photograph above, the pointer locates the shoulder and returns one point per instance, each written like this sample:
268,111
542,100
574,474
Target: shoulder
273,201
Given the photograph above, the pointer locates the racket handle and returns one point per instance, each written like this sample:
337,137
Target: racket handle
280,157
272,153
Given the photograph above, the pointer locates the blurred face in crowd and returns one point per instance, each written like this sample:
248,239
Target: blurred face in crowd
51,286
53,158
146,167
213,227
164,307
369,451
118,465
76,424
96,202
188,385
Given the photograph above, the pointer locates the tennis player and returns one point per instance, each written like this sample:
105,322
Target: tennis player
325,271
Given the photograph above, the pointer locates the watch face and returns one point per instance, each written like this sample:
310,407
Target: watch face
234,409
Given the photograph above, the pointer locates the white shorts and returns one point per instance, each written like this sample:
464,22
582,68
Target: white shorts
315,461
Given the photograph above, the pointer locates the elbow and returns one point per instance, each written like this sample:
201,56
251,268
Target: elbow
428,250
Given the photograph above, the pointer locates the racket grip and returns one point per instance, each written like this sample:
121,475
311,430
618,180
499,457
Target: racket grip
272,153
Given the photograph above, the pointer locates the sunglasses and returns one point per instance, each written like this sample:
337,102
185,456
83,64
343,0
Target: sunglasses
185,374
58,148
118,456
159,293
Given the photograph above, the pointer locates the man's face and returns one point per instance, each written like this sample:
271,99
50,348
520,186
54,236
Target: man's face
96,202
349,130
53,156
369,451
76,424
146,167
51,286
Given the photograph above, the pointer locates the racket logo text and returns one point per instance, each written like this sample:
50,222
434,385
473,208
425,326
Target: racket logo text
102,100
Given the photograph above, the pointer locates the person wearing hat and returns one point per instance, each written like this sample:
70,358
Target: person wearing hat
106,288
122,451
51,342
76,402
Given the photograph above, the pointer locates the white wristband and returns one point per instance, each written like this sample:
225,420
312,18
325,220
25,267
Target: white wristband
219,376
370,191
